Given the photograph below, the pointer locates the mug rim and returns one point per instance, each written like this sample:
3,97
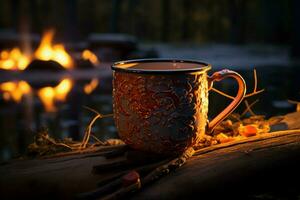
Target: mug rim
204,68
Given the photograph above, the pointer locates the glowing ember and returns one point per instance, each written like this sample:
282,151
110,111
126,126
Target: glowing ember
88,55
47,51
48,95
13,60
15,90
90,87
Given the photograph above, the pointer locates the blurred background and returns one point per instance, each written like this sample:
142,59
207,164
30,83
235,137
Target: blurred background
83,38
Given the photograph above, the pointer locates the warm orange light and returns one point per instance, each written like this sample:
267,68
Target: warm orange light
24,87
49,95
15,90
16,60
90,87
4,55
88,55
62,89
47,51
126,65
13,60
8,86
6,96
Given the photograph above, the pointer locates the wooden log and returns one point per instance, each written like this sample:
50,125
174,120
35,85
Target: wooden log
264,164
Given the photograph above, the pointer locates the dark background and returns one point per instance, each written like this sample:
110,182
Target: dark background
195,21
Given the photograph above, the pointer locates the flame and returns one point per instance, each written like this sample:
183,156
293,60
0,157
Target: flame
13,60
16,60
88,55
48,95
47,51
62,89
90,87
15,90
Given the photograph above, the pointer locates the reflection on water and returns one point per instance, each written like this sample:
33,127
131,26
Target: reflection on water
27,107
90,87
49,95
14,90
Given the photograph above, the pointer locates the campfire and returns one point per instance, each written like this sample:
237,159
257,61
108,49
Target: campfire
13,59
16,59
49,53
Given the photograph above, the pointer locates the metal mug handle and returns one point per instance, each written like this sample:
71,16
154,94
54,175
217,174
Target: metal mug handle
218,76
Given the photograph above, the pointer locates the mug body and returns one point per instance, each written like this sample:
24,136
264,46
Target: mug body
160,106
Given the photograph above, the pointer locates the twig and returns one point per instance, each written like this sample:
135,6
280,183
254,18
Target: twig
236,116
293,101
167,168
95,138
56,143
154,175
222,93
254,92
255,80
91,109
96,112
297,104
79,147
248,108
87,134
